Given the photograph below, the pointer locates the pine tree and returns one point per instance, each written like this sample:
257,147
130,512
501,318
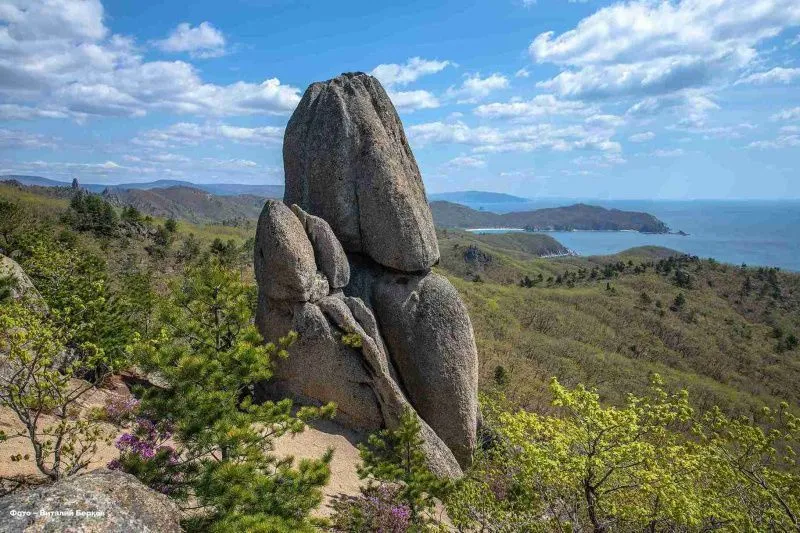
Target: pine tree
397,456
212,356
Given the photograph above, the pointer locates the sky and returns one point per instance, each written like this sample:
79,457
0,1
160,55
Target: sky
688,99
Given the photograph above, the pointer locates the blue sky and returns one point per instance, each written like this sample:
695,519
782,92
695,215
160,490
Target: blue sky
590,99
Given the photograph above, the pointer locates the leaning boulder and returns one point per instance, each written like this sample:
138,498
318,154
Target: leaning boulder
429,336
347,160
102,501
284,258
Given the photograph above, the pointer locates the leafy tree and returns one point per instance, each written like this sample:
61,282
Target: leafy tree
211,355
501,377
653,464
397,457
679,302
74,284
189,249
683,279
139,299
755,465
226,252
132,215
602,466
644,299
36,384
89,212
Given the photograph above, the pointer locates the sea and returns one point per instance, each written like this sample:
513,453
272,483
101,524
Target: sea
751,232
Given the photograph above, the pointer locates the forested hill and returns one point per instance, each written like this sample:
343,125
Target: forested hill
188,203
573,217
221,189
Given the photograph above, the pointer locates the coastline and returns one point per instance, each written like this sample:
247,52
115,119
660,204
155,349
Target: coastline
523,230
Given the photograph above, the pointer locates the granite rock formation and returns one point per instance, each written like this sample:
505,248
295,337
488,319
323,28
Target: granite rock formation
362,266
21,284
107,501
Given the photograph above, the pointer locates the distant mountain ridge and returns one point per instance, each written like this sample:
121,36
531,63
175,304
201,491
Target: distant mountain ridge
573,217
227,202
221,189
485,197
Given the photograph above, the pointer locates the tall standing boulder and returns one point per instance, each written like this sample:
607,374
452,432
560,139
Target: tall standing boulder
347,160
357,194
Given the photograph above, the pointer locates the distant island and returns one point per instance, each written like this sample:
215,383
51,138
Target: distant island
483,197
574,217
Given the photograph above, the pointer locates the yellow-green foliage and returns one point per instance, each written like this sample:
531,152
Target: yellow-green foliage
36,382
650,465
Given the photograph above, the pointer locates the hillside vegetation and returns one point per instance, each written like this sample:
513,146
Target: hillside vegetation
603,321
727,334
573,217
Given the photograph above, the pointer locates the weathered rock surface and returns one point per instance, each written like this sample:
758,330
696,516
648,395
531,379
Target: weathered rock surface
428,332
393,402
359,208
328,251
347,160
284,259
22,283
125,505
319,368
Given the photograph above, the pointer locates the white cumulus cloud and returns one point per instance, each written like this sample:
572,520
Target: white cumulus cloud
642,137
394,74
466,161
202,41
474,88
485,139
646,47
409,101
58,59
192,134
774,76
538,106
787,114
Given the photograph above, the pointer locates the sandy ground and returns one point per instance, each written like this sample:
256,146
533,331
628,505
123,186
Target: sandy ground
312,443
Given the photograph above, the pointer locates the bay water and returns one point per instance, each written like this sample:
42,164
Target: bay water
753,232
